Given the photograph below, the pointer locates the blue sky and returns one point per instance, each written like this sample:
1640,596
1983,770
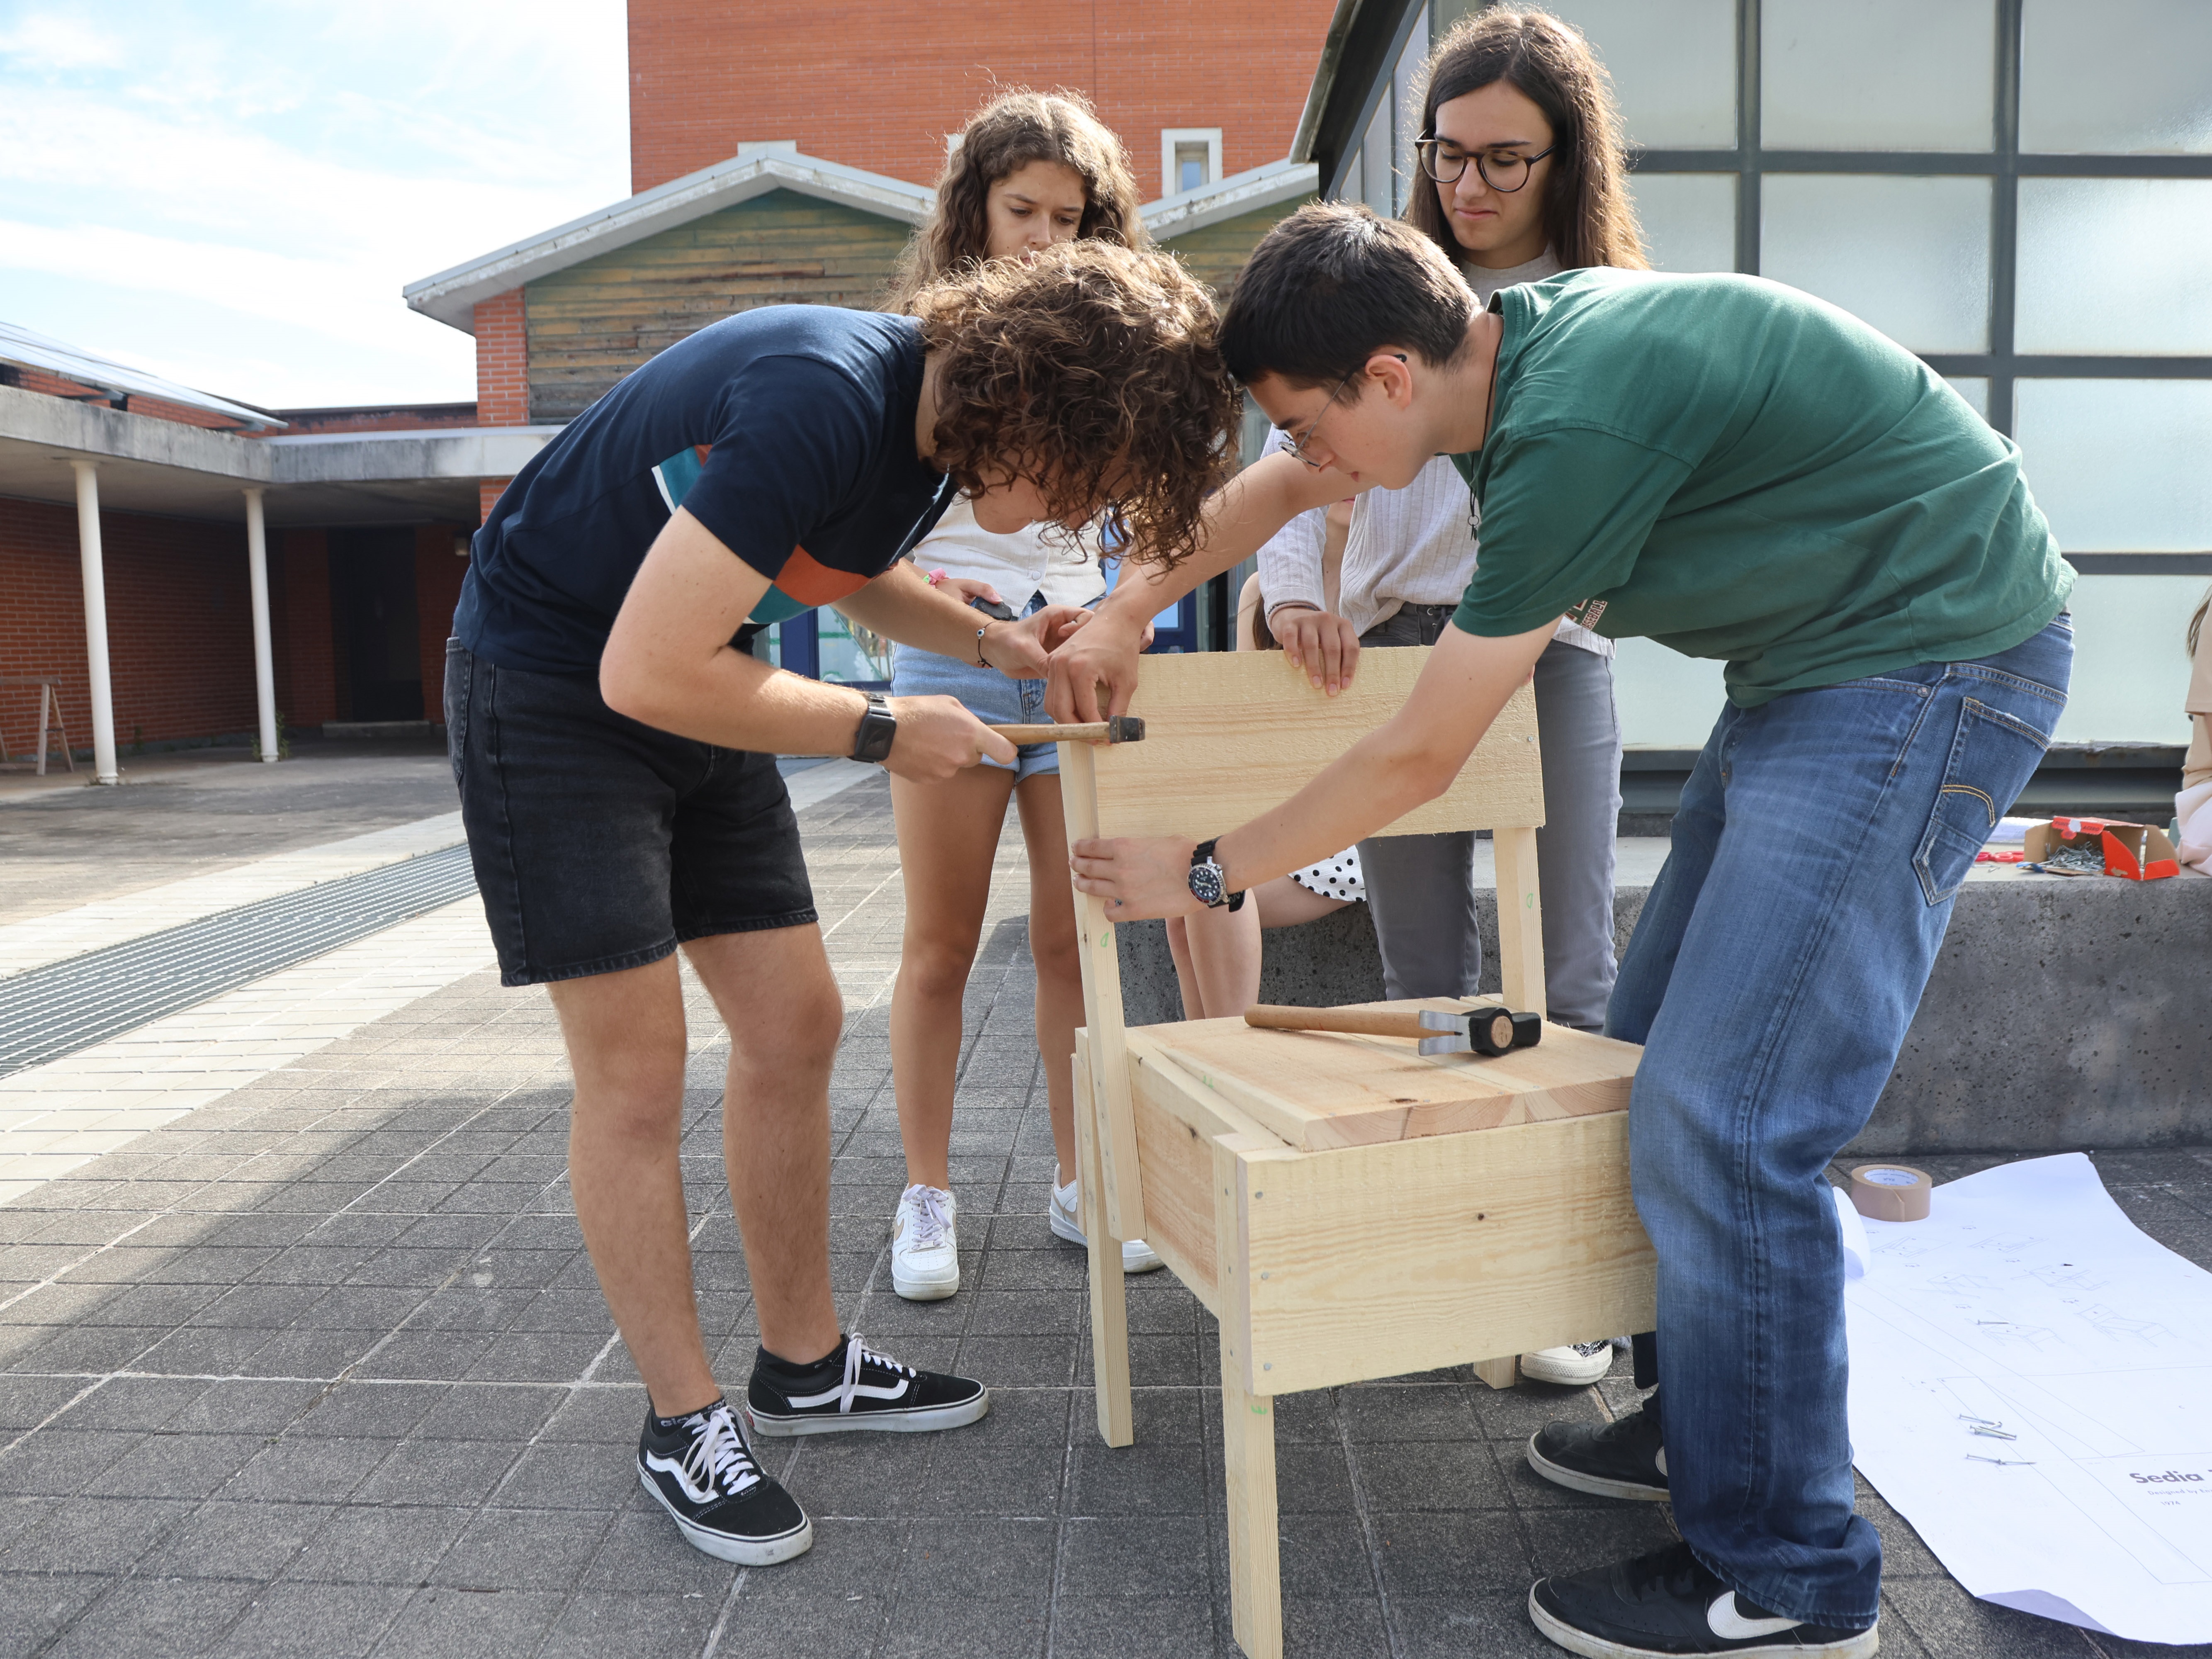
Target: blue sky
232,194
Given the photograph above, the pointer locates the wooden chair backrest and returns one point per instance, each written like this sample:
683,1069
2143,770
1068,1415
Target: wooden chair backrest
1230,735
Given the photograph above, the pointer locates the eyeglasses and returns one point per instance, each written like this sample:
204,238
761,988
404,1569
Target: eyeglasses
1298,444
1505,172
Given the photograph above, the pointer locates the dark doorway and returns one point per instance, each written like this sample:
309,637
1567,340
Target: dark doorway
379,666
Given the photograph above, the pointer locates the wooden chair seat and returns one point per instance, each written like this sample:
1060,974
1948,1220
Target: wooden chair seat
1345,1208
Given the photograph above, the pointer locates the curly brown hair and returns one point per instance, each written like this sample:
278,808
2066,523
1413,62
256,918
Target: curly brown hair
1013,130
1094,371
1586,213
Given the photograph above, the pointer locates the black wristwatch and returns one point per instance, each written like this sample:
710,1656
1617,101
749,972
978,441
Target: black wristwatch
1208,885
873,742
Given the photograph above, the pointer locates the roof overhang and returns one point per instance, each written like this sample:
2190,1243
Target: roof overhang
1363,40
25,349
154,466
451,296
1240,193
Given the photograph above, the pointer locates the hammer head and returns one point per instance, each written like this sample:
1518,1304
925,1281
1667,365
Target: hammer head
1125,729
1490,1031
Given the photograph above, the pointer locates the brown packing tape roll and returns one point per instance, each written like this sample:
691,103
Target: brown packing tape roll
1891,1192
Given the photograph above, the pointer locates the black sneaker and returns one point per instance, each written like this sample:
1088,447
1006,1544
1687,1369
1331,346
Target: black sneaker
855,1388
1620,1459
1665,1605
703,1474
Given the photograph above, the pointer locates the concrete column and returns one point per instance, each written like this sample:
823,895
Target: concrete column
265,666
95,622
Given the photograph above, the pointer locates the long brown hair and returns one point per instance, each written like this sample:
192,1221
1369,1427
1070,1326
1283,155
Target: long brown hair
2197,622
1013,130
1587,215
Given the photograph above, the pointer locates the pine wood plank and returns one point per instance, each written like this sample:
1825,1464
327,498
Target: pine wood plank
1230,735
1102,1009
1248,1419
1109,1307
1318,1090
1520,921
1408,1255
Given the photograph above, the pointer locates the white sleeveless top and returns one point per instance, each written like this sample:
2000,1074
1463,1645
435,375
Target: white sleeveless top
1020,563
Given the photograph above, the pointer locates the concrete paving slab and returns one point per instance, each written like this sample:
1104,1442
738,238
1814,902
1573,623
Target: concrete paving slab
435,1455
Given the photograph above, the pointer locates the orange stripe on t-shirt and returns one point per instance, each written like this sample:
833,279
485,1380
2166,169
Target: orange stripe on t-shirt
812,582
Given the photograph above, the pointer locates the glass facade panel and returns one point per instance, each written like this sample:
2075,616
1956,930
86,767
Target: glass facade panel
1673,67
1688,219
2119,466
1975,389
2130,676
845,657
2146,88
2113,267
1910,256
1878,74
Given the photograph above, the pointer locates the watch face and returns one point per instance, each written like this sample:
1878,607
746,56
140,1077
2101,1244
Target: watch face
1206,883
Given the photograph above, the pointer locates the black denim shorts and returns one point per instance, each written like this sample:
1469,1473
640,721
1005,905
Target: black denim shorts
601,844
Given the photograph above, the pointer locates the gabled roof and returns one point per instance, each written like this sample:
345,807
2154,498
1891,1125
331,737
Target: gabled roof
1225,199
25,350
451,296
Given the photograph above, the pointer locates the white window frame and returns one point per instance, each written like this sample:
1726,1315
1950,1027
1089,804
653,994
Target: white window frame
1171,137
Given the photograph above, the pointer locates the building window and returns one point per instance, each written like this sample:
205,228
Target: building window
1190,159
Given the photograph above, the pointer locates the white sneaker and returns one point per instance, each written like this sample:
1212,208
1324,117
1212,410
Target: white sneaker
925,1248
1576,1365
1137,1256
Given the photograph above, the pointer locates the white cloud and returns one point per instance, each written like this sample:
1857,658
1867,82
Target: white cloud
55,40
292,165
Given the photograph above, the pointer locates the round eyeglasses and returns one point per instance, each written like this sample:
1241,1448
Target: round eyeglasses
1446,163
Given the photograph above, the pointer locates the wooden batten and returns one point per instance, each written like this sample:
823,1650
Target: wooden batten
1255,731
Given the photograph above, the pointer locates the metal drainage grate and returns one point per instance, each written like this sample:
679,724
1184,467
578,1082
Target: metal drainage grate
50,1011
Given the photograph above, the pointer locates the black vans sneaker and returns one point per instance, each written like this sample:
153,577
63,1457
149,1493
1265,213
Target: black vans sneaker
853,1388
703,1474
1666,1606
1620,1459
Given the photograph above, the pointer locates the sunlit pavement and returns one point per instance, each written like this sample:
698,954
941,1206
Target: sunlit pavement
317,1366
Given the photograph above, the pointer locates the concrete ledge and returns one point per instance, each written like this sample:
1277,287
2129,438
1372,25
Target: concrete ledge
2061,1014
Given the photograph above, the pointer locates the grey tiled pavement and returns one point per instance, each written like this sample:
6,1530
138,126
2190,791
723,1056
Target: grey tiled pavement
321,1369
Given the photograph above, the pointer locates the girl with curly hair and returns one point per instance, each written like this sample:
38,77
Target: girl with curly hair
614,739
1031,170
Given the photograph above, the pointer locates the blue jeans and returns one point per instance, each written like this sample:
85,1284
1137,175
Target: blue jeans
1772,977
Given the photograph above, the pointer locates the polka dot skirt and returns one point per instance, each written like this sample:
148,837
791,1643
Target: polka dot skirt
1338,878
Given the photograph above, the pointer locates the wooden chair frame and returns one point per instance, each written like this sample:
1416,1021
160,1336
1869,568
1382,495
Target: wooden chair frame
1348,1263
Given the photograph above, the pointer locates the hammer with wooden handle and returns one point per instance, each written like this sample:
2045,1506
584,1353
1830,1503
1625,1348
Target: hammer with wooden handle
1474,1031
1121,728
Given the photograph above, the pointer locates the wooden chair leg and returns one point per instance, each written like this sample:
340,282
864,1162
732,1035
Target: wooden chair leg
1248,1438
1500,1373
1110,1309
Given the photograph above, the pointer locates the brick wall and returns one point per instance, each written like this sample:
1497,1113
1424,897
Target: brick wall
502,361
179,624
302,642
881,87
438,575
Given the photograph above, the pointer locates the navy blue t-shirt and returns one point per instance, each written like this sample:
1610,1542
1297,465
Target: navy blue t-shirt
788,431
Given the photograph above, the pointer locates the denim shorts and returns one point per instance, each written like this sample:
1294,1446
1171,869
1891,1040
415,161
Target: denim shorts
987,694
600,843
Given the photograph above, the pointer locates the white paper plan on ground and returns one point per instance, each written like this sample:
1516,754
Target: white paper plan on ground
2027,1298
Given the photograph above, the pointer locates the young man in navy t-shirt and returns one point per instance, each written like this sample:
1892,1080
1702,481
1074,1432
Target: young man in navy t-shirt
615,743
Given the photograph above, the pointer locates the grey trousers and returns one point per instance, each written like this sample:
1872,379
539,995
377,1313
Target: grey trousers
1421,889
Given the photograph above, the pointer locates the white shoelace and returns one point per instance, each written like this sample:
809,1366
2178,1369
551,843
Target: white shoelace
856,1355
719,1459
933,1217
